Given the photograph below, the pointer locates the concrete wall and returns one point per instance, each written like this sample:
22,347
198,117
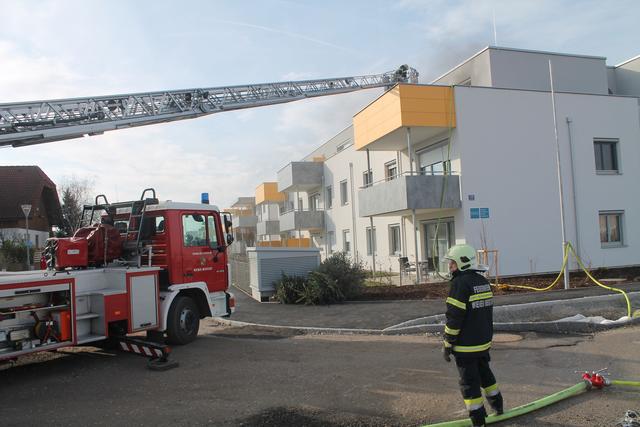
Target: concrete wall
508,165
627,77
301,220
300,175
476,69
409,192
530,70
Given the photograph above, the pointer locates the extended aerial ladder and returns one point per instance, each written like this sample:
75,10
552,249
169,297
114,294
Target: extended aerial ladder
37,122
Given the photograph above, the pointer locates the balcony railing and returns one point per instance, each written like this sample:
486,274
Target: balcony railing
302,220
409,191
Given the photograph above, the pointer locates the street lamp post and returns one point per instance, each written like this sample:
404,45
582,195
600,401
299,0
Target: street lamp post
26,209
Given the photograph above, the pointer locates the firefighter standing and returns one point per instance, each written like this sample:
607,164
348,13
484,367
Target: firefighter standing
469,331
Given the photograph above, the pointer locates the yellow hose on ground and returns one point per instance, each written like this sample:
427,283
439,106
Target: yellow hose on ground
569,249
626,383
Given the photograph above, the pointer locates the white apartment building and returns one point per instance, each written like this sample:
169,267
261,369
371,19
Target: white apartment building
471,158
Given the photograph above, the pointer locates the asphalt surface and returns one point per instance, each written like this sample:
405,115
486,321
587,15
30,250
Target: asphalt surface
247,377
378,314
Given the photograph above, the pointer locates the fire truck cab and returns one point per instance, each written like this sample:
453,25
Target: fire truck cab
137,266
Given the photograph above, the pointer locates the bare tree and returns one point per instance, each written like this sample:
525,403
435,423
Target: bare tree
74,193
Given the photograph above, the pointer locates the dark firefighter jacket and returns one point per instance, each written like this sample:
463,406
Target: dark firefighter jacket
469,325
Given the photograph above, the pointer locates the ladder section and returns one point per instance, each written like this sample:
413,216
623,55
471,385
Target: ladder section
37,122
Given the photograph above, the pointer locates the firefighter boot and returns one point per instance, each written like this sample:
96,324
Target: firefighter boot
496,403
477,417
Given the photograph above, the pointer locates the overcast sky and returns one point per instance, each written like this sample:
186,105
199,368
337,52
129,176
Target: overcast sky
75,48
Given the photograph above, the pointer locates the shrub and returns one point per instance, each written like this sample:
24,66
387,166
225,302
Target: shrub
15,252
288,289
348,275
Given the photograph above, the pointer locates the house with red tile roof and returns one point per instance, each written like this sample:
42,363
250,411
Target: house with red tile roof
21,185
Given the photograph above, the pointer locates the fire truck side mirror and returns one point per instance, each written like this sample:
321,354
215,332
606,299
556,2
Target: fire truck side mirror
229,239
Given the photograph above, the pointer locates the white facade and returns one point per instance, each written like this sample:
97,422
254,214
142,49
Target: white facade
503,148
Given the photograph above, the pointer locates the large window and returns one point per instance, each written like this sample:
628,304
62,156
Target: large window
331,238
438,246
329,202
346,241
314,202
390,170
194,230
395,244
606,154
367,178
371,241
611,228
344,192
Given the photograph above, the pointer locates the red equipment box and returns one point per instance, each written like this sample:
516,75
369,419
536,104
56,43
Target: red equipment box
72,253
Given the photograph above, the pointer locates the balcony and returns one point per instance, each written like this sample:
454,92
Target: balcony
300,176
302,220
245,221
407,192
268,228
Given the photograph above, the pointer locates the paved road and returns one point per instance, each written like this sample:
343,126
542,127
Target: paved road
377,315
237,376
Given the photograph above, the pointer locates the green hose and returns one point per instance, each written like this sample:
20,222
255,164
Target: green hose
626,383
529,407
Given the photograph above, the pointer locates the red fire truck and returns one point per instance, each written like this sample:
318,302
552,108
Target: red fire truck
143,265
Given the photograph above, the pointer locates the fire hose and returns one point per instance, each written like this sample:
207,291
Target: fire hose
569,249
589,381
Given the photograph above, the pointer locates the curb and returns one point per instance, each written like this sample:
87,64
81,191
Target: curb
438,329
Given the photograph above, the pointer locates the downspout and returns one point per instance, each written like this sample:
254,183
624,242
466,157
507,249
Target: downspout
573,187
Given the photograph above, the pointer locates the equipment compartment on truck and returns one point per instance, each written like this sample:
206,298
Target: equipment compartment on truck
35,316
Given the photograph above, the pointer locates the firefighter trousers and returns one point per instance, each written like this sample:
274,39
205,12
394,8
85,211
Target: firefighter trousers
476,377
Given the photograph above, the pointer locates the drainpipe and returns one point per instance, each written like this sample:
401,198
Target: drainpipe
373,246
559,168
573,188
353,214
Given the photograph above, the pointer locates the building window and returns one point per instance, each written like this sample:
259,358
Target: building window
331,238
314,202
340,147
367,178
344,194
329,201
371,241
606,154
300,204
611,228
346,241
395,244
390,170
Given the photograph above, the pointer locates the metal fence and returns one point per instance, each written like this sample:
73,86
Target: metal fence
239,266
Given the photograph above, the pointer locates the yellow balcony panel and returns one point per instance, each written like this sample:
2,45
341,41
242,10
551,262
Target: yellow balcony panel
268,192
428,110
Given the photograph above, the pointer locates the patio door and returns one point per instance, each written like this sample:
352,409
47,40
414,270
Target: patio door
437,246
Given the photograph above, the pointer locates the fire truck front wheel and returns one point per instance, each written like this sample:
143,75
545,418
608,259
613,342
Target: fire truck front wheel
183,321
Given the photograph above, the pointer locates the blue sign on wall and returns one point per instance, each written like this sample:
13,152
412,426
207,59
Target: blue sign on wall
484,212
475,213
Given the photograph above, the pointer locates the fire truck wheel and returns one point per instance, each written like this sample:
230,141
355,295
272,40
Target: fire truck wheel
183,321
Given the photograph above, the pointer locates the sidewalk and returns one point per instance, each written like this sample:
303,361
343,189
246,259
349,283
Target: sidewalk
378,315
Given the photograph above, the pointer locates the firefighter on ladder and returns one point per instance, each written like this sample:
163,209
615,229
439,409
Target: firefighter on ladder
469,331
